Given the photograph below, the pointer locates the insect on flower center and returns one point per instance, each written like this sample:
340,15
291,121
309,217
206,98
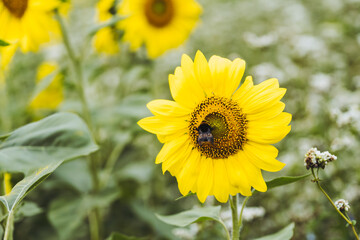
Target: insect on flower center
16,7
159,13
218,127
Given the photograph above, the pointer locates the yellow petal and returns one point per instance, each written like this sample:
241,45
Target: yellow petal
236,72
267,135
254,175
167,108
163,126
206,178
243,89
219,68
175,163
171,148
189,173
263,156
268,113
236,174
202,73
221,188
185,90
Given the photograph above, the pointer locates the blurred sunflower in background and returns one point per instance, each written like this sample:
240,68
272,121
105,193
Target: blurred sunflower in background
159,24
105,39
25,24
217,137
51,94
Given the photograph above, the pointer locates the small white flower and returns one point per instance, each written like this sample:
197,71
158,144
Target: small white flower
342,205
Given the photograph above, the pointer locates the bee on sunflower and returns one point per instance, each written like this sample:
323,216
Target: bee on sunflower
217,136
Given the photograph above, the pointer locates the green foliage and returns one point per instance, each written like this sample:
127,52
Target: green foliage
37,150
284,234
281,181
3,43
45,144
119,236
191,216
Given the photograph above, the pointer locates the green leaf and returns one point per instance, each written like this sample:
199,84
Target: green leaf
119,236
27,209
149,217
281,181
284,234
67,214
3,43
37,149
57,138
191,216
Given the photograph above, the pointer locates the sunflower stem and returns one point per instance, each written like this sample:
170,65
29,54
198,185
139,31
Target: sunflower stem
316,179
235,220
93,216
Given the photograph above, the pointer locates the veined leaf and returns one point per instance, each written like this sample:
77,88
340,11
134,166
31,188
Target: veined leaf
284,234
119,236
60,137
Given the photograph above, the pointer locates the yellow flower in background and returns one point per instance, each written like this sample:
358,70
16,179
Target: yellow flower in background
105,38
217,137
52,95
7,182
27,24
159,24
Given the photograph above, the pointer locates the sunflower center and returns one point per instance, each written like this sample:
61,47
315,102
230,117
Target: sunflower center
16,7
159,13
218,127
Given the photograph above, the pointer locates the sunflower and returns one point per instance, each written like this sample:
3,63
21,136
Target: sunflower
52,94
217,137
159,24
105,38
25,23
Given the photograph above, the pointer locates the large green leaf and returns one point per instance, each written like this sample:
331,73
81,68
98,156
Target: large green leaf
37,149
191,216
284,234
54,139
281,181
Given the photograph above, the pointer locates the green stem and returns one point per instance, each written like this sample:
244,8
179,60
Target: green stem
316,179
9,228
94,216
241,212
226,230
353,228
77,70
235,220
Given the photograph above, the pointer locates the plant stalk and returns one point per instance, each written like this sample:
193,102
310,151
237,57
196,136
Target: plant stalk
316,179
235,220
94,216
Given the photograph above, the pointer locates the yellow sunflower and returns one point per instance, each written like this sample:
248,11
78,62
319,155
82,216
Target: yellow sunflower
52,95
217,137
159,24
7,183
25,23
105,38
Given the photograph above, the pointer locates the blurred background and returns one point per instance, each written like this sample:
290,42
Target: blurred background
312,47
